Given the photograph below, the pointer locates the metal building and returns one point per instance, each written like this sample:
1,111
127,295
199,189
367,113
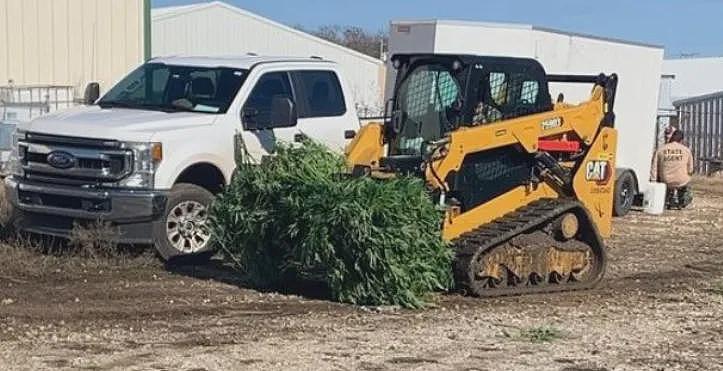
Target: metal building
697,91
50,49
701,119
694,76
70,42
217,29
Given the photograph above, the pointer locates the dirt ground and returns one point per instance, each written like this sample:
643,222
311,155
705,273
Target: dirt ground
660,307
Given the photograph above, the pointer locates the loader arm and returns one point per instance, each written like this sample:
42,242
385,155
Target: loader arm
367,147
582,122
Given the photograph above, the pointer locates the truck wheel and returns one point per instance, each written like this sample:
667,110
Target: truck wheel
183,233
624,194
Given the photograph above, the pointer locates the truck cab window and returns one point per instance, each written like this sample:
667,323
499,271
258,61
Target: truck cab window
156,86
258,106
321,94
153,91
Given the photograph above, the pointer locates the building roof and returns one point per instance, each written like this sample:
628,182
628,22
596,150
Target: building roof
242,61
695,77
175,11
694,60
521,26
699,98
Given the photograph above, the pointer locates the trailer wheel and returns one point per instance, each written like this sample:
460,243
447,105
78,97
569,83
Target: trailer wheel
625,191
183,235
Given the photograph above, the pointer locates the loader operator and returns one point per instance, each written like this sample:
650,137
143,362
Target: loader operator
491,98
673,165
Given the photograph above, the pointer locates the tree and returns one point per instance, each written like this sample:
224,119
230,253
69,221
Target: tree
353,37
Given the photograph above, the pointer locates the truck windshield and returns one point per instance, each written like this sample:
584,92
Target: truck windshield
424,99
157,86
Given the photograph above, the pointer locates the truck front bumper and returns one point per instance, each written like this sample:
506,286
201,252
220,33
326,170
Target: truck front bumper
51,209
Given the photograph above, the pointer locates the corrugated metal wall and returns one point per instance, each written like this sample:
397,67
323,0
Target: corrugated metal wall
218,29
69,42
701,120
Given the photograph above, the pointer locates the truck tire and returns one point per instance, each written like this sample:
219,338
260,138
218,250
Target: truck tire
625,190
183,235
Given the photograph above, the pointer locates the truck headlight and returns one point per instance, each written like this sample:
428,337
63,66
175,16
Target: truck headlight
14,165
146,158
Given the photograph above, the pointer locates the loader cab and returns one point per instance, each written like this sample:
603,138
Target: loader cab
506,88
435,94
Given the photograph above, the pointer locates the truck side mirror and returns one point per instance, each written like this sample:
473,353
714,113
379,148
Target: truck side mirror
248,118
283,112
92,93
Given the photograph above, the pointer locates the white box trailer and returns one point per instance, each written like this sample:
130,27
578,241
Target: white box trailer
638,67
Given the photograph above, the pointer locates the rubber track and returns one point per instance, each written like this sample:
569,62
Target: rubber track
527,219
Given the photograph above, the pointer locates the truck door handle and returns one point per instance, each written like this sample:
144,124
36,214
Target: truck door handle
300,137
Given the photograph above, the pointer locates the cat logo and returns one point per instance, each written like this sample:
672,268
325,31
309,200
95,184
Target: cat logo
552,123
598,171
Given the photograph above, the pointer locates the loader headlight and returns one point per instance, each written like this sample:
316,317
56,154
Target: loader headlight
146,158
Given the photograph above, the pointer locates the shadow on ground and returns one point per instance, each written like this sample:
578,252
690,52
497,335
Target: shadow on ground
219,270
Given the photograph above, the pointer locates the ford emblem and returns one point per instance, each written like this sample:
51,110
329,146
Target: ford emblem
61,160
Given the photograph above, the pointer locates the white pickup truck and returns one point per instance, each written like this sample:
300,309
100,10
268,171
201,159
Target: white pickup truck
150,154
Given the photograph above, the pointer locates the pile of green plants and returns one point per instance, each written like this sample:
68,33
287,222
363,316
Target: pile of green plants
296,219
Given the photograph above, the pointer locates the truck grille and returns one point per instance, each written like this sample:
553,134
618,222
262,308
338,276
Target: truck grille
74,161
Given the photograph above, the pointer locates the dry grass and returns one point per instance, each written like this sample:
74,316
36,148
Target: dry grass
717,288
541,334
5,209
23,258
709,185
91,247
96,240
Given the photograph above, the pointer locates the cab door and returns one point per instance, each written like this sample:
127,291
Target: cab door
325,112
270,114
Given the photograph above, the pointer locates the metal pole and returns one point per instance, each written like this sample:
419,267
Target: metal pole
147,51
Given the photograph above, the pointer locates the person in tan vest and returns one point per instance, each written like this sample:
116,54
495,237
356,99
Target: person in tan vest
669,133
673,165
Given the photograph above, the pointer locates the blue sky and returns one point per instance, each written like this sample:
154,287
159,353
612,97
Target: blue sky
682,26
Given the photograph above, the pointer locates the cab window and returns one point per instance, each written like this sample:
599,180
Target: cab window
320,94
171,88
257,109
425,99
505,95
